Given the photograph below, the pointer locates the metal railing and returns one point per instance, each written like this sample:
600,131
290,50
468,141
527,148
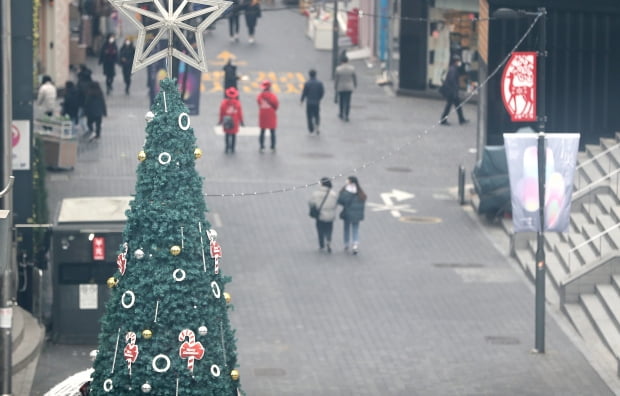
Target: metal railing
594,158
598,236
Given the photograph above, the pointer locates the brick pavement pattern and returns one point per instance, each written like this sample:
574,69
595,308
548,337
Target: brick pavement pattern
426,308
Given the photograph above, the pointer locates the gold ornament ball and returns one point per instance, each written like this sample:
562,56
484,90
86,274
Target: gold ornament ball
175,250
147,334
111,282
141,156
234,374
227,297
197,153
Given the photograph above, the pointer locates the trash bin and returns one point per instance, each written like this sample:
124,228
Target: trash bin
60,143
85,243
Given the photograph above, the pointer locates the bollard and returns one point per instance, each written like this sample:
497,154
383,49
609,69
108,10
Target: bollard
461,185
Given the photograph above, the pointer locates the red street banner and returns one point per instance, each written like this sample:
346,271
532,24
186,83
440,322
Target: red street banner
519,87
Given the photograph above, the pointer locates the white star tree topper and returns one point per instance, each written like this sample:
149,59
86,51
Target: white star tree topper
169,22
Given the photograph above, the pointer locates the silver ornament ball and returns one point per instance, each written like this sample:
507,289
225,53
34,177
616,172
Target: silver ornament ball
139,254
149,116
202,330
146,388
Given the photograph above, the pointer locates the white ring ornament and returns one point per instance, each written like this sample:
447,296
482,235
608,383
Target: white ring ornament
107,385
177,277
184,127
164,161
216,289
215,371
165,368
131,303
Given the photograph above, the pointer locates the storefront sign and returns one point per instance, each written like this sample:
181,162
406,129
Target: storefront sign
98,248
20,139
518,87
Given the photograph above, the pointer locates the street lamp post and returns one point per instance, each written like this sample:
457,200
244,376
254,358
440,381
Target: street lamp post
541,118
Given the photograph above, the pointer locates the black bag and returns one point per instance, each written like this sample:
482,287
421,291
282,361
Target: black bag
228,123
342,214
314,211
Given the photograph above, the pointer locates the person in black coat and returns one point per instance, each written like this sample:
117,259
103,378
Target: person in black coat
109,58
71,102
353,199
252,13
450,91
233,20
95,109
230,75
313,93
126,55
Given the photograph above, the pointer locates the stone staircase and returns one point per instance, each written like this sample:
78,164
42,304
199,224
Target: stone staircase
28,336
583,265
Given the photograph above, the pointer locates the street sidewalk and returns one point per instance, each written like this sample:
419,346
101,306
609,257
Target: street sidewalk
432,305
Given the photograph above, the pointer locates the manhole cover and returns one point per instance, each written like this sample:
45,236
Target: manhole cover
418,219
458,265
502,340
318,155
403,169
269,372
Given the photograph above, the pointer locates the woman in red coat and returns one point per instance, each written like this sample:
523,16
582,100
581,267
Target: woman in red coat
231,116
267,106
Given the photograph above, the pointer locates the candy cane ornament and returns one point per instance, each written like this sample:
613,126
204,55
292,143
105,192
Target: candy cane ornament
130,353
190,350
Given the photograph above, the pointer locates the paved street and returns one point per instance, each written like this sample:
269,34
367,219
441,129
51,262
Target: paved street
432,305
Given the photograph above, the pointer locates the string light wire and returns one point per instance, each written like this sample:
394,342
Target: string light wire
402,146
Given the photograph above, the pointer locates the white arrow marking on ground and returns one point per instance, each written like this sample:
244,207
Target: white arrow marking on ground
388,204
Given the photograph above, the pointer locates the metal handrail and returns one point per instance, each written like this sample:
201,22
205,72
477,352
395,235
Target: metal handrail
602,153
592,239
607,176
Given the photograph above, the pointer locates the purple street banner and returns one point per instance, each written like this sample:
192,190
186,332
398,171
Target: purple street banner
561,160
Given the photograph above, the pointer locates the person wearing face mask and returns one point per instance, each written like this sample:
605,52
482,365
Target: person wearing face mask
450,91
108,58
126,54
353,199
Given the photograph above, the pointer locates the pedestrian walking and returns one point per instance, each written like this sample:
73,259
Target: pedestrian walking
230,75
233,20
231,116
83,81
252,13
71,102
353,199
345,81
95,109
267,118
46,96
313,93
126,55
450,91
109,58
325,200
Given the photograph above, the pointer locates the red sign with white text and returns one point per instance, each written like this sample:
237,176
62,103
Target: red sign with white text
98,248
518,87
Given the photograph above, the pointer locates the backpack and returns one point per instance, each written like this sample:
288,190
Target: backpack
228,123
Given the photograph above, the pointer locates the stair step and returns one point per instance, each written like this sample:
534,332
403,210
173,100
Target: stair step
607,223
615,282
592,210
584,252
591,172
611,301
29,345
600,244
606,202
614,211
577,219
602,322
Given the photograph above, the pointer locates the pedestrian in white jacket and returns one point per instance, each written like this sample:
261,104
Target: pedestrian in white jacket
325,199
46,97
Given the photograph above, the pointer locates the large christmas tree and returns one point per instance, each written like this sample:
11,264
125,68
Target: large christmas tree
166,329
